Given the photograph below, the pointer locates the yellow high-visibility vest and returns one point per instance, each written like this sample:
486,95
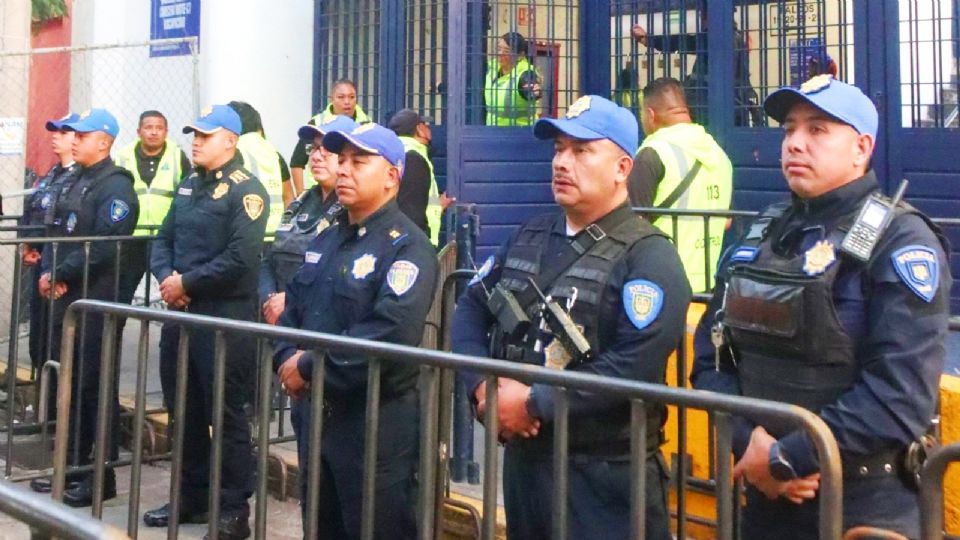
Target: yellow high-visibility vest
434,210
506,106
261,158
155,199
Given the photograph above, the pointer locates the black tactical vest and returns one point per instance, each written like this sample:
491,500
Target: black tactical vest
609,435
784,329
294,234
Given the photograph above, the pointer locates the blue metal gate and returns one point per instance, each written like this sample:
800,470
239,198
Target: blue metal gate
438,55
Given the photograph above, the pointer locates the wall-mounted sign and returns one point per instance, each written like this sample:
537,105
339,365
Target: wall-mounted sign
173,19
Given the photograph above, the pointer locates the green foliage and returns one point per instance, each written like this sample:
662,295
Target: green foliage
46,10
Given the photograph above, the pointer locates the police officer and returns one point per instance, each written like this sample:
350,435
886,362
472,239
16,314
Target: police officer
263,160
849,327
512,85
680,166
206,257
370,275
157,164
419,196
310,214
100,202
39,211
343,102
621,282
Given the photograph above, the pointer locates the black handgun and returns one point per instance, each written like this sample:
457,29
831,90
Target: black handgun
563,327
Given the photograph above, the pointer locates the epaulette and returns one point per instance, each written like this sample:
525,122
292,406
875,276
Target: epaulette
238,176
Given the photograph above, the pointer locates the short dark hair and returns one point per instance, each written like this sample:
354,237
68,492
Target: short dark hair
346,81
250,120
151,114
662,87
516,42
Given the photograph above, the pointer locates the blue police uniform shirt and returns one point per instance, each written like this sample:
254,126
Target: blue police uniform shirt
106,205
311,207
624,350
373,280
213,233
899,336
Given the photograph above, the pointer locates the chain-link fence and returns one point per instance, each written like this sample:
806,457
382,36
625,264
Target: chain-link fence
43,84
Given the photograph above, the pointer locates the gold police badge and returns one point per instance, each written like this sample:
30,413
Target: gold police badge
578,107
322,225
363,265
207,111
253,205
818,258
221,190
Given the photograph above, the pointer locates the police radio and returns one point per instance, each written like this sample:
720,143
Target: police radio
874,217
563,327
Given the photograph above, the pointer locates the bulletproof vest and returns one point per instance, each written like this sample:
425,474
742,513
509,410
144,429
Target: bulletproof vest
43,203
73,216
589,274
783,324
295,233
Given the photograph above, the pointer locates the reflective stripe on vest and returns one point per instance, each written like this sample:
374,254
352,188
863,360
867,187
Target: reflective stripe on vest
155,199
322,117
505,105
261,159
711,189
434,210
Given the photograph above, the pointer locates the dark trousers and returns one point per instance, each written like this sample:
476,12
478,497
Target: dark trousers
883,502
39,326
599,497
237,469
341,474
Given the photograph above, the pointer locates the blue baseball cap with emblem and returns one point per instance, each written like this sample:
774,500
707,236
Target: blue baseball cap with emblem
370,138
94,120
337,123
214,118
842,101
57,125
593,118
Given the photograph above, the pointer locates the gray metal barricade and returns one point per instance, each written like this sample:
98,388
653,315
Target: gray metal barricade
931,490
47,518
434,363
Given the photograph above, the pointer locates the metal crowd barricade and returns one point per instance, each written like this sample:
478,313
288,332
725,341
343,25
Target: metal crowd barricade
435,362
931,491
48,519
48,364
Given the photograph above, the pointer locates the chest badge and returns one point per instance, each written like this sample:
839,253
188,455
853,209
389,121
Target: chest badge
818,258
322,225
363,266
221,190
71,222
45,201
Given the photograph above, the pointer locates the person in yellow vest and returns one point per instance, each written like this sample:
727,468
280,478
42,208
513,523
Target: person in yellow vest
680,166
343,101
419,196
157,165
512,86
263,160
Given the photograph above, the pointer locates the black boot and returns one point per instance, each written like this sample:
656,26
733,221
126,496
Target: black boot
160,517
82,493
232,526
45,484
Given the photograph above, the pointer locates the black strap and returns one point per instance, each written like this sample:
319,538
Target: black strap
582,243
683,186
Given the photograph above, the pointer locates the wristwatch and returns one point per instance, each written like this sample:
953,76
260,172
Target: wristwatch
780,467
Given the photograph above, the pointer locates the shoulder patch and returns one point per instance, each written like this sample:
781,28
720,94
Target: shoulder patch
919,269
402,276
642,302
119,210
238,176
483,272
253,205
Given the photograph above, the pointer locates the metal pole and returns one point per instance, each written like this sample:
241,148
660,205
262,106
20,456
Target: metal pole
370,439
108,346
490,451
216,448
931,491
139,417
561,461
64,390
12,358
179,412
263,447
43,414
429,434
638,469
724,477
313,461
